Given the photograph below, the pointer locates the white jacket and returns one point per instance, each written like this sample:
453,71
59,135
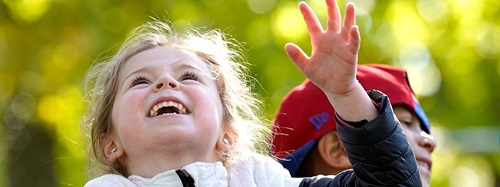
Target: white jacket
254,171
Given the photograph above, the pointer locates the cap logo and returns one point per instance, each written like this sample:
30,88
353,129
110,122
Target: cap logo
319,120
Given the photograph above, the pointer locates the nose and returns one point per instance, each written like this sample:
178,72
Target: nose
427,141
165,82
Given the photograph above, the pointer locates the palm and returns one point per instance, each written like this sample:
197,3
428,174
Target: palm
332,64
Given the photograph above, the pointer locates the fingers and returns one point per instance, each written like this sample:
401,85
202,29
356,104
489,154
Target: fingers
355,41
349,21
296,55
333,15
312,22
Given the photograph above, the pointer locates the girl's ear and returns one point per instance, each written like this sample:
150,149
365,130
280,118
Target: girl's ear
332,151
111,150
226,142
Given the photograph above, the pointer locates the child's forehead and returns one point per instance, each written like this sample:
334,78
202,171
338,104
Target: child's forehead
161,58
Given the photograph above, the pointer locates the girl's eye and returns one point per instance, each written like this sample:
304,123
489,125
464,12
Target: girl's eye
139,80
189,76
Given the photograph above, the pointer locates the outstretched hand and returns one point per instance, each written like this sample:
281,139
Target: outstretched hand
333,61
332,65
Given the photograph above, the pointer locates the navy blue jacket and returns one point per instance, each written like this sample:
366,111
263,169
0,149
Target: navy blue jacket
378,151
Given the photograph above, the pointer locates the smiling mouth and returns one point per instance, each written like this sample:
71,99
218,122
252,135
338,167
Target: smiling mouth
168,107
423,165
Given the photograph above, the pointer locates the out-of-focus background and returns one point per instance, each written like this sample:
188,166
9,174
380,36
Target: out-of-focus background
451,49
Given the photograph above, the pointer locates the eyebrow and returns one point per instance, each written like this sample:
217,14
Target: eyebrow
174,65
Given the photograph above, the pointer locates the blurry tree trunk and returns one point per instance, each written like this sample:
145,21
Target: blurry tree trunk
496,171
29,158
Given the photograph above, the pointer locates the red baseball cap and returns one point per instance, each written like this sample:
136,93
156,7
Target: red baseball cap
306,114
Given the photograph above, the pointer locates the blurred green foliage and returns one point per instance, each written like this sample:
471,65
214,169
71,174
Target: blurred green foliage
451,49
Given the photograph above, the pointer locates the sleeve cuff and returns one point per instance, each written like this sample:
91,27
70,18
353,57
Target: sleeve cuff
356,124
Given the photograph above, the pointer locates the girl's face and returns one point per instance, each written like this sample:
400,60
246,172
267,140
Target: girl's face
167,112
422,143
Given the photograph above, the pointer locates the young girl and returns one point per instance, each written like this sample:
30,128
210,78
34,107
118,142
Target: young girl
174,109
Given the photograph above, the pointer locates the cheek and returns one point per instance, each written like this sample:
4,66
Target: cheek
127,110
220,109
410,135
406,130
210,97
127,127
215,111
130,102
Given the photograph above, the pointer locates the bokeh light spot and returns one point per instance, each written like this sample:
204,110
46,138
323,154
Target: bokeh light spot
261,6
432,10
364,20
50,109
364,5
488,44
23,106
407,25
424,76
472,171
28,10
288,24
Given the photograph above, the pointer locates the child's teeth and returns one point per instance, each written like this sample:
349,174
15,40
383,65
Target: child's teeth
179,108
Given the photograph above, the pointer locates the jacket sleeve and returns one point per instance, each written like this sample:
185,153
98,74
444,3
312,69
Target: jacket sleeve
378,151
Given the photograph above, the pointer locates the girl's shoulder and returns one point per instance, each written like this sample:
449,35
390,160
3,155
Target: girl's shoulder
255,160
260,170
111,180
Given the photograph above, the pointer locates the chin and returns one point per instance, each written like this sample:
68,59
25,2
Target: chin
425,182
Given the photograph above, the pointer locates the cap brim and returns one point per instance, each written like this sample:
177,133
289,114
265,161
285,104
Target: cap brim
293,161
425,125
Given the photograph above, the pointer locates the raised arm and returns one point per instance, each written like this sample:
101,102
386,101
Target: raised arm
333,61
377,148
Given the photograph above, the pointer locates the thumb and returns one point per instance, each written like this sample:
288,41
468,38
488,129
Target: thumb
296,55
